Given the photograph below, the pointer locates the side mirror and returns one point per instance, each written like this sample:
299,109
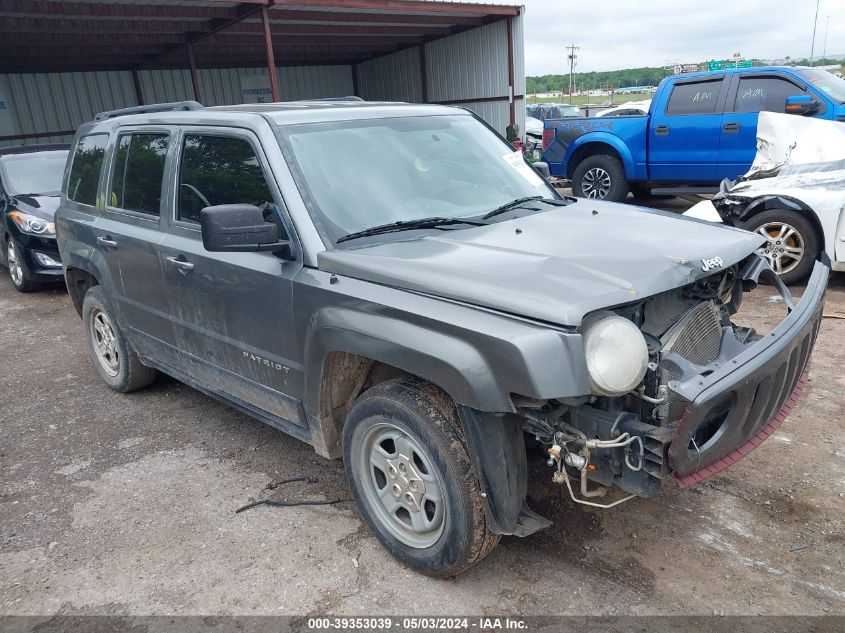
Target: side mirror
543,168
240,228
801,104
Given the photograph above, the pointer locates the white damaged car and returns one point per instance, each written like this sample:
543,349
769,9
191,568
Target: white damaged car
793,195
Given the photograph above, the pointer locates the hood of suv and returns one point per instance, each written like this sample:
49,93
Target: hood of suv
555,266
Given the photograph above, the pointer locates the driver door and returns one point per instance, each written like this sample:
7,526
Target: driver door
232,312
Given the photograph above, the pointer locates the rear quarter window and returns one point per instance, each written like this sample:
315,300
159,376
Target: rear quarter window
698,97
138,172
85,168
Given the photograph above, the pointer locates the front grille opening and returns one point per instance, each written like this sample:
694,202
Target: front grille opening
710,428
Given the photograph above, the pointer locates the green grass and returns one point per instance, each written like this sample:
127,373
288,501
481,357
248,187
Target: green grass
578,101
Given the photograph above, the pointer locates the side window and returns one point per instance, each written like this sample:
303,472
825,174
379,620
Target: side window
138,172
220,170
694,98
756,94
85,169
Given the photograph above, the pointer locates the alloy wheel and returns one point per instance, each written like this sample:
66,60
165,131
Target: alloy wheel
105,345
784,247
402,486
15,268
596,183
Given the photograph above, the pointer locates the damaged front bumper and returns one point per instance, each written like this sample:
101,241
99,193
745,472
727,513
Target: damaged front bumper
746,398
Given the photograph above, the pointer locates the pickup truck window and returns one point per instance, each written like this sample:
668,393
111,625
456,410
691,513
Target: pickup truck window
138,172
697,97
359,174
756,94
85,169
828,83
219,170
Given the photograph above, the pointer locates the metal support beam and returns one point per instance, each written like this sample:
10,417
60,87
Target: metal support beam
511,76
139,94
271,60
355,90
195,78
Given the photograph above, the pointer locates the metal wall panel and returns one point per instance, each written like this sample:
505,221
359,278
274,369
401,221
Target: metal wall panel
394,77
47,102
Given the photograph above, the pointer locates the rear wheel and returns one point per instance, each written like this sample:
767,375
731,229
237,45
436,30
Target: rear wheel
601,177
792,243
113,357
18,269
411,476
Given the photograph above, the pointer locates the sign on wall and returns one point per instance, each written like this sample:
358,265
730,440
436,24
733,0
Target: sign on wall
256,89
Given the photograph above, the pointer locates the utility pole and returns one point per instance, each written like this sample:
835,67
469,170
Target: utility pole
813,45
571,48
826,28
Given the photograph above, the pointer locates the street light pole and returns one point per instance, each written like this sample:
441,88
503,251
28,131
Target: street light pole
826,28
813,44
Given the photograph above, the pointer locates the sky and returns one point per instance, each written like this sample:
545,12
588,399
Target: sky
614,34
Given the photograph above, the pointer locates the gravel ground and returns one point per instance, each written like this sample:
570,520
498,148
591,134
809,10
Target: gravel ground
124,504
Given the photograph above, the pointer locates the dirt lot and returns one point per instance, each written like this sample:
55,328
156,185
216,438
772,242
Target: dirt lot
125,504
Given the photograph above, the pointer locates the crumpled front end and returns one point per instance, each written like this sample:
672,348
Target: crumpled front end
712,392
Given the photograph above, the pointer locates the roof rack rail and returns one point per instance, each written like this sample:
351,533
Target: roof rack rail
155,107
349,98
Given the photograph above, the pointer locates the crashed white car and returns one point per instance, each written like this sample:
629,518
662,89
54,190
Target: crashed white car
793,195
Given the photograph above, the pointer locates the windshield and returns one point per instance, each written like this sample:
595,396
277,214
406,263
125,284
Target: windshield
357,175
828,83
40,172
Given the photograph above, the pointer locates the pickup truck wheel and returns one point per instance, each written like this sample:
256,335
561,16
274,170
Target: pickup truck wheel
410,474
601,177
115,360
792,243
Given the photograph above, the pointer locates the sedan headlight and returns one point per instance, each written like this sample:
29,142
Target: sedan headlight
616,354
32,224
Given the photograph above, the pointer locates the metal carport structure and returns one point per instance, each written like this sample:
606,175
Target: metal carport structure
61,61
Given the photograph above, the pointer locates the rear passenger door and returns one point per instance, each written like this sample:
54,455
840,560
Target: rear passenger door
129,230
750,95
683,142
232,312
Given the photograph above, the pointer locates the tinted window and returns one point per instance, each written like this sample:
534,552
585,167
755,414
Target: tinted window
138,172
40,172
764,93
694,98
219,170
85,170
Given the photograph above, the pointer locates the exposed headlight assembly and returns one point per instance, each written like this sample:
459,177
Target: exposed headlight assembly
32,224
616,354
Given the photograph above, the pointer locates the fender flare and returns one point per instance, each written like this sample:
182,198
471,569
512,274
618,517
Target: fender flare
90,261
450,363
600,138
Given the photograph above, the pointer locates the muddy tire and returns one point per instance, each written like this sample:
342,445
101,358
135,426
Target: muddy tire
792,243
600,177
114,359
407,464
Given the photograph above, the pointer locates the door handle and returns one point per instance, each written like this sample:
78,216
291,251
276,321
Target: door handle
184,266
661,130
106,242
730,128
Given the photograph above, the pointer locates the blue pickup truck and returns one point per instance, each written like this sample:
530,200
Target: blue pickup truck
700,129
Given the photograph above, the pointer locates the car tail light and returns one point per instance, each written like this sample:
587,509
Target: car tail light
548,138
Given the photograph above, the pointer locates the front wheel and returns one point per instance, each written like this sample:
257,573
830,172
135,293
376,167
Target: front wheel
18,269
601,177
792,243
410,474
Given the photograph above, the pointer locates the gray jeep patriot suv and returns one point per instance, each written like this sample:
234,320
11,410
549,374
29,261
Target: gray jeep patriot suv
392,284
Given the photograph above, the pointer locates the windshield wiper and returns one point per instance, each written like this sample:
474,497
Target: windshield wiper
408,225
515,204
